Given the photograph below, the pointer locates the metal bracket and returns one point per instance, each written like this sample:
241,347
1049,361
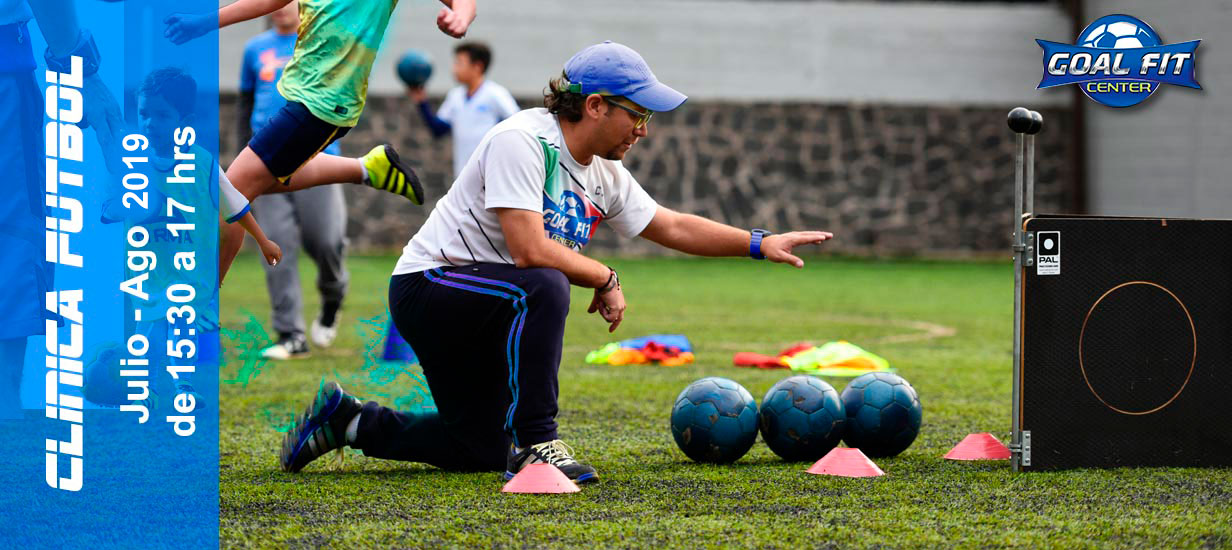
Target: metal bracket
1023,449
1028,259
1026,253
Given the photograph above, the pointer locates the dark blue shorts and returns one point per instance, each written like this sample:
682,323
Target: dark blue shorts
291,138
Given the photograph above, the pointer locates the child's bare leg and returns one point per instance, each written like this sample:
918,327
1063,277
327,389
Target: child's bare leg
249,175
385,171
251,178
323,169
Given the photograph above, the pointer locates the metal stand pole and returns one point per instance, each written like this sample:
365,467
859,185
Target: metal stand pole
1030,199
1025,123
1019,246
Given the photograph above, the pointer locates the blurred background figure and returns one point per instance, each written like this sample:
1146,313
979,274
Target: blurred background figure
324,239
471,109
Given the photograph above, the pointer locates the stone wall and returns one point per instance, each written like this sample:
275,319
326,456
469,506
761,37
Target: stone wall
886,179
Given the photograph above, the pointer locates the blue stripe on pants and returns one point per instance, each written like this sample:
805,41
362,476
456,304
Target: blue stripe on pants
514,341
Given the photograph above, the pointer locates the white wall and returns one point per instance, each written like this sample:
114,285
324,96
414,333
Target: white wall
905,53
1172,154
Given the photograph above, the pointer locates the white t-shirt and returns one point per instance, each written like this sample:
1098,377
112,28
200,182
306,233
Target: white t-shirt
470,118
523,163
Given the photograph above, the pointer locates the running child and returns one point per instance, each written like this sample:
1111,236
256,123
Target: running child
325,85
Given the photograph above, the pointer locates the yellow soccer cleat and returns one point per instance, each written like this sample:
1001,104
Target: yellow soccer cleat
387,172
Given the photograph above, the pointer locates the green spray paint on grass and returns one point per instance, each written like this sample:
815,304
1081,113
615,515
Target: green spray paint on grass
395,384
247,342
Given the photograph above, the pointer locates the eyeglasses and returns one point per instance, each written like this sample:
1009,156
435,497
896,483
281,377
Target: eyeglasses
641,118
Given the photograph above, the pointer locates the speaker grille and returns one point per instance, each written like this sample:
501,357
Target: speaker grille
1126,359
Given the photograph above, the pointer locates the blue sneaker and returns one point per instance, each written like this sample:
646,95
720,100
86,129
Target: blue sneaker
553,452
321,429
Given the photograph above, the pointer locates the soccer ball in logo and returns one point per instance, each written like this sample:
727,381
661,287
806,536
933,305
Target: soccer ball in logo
1118,32
714,420
573,204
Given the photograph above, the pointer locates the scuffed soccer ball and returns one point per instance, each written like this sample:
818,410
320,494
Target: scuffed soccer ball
883,414
802,418
714,420
1119,32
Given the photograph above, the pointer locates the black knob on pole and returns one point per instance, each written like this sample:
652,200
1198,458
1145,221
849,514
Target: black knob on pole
1020,120
1037,123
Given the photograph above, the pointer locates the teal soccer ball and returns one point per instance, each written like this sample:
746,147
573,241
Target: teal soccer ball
883,414
802,418
714,420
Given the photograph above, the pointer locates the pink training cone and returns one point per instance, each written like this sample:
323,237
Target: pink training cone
982,446
540,478
845,462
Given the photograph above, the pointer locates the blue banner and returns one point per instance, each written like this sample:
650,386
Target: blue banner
108,265
1071,64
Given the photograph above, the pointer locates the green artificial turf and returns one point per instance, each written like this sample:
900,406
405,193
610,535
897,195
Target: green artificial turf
944,325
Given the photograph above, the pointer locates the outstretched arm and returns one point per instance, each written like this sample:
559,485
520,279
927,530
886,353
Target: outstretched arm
702,237
244,10
182,27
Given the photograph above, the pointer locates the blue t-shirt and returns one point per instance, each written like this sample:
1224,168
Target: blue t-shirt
264,57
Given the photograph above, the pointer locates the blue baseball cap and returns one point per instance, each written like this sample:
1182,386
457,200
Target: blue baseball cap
615,69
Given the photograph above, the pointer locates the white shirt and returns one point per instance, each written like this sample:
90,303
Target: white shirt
524,163
470,118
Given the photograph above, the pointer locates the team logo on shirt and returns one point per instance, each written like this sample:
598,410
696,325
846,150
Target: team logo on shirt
572,220
271,63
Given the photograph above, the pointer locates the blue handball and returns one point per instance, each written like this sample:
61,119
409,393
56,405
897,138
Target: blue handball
802,418
883,414
414,68
714,420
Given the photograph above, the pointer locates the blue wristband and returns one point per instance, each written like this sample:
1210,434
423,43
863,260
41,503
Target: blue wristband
755,243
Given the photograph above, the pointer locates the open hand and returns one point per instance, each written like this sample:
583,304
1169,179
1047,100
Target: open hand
610,305
777,248
182,27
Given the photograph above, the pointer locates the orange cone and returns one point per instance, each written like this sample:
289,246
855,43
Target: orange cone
540,478
982,446
845,462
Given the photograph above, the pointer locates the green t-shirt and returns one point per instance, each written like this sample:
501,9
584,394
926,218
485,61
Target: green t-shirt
338,41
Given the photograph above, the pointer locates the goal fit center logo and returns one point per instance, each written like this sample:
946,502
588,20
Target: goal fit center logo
1119,61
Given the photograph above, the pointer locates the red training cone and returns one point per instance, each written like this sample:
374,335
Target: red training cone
845,462
540,478
982,446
